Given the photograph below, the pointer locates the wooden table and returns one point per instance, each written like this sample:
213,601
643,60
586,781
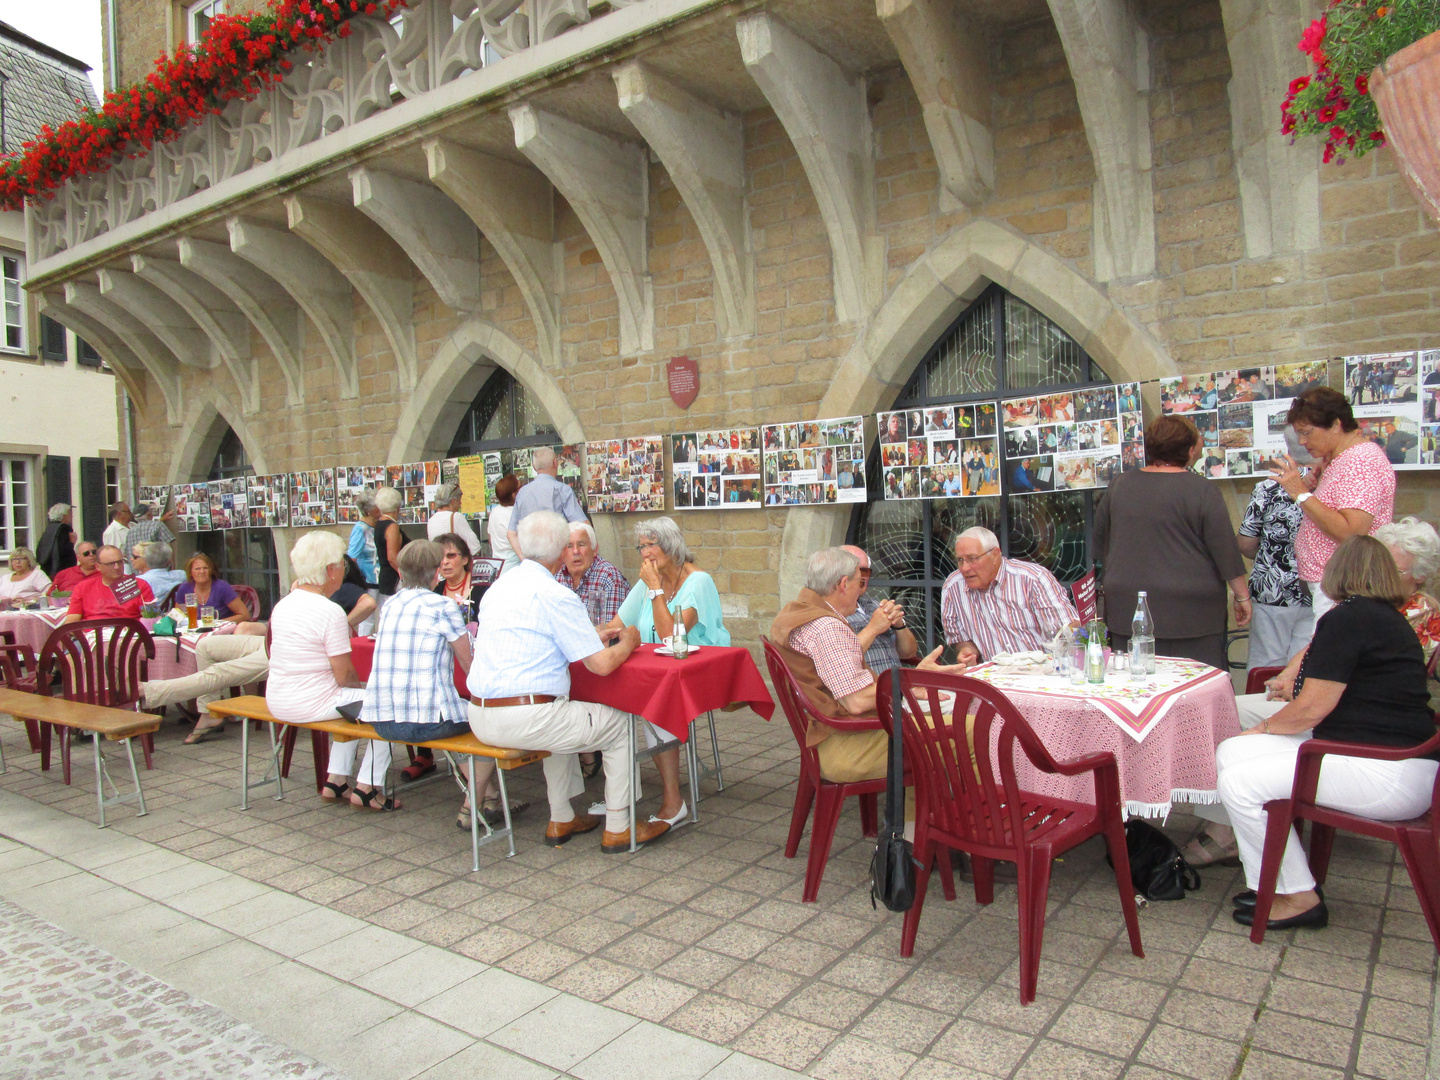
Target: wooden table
115,725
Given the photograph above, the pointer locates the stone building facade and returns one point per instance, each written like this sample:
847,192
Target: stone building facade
801,195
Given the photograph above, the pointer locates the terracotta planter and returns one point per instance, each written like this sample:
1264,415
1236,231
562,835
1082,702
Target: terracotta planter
1406,88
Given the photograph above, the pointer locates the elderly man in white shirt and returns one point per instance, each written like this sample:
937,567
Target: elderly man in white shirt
997,605
533,628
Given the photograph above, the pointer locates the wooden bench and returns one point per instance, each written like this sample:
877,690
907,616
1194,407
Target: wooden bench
468,746
115,725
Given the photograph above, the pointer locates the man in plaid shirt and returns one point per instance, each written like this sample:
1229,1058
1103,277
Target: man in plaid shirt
601,587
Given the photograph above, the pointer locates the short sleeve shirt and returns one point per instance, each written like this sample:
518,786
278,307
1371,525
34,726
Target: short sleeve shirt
93,599
1274,518
884,652
221,596
1360,478
306,630
530,629
412,679
602,589
835,651
545,493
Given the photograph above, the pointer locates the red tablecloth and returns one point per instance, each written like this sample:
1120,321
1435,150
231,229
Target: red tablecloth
667,692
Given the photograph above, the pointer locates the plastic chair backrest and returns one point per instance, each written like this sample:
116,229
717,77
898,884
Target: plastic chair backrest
792,699
484,570
248,594
14,660
101,661
1255,681
973,805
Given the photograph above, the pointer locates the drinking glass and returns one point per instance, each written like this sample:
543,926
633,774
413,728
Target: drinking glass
207,616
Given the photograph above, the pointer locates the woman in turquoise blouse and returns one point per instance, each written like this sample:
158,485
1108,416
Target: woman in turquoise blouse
670,588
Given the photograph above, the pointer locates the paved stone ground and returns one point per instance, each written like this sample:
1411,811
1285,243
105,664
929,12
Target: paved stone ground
704,934
67,1009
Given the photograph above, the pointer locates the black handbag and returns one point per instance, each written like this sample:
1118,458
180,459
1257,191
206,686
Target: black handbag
892,868
1157,869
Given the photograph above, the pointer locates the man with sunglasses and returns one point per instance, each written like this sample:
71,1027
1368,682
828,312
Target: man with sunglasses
109,594
879,624
66,580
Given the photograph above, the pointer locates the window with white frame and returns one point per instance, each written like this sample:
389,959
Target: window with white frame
12,302
15,509
112,483
199,15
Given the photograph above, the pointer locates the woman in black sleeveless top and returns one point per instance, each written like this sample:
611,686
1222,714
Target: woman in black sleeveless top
389,539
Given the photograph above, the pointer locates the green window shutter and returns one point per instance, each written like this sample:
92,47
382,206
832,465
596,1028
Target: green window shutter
94,510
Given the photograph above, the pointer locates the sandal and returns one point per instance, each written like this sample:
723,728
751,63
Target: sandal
591,769
493,814
374,799
1203,851
421,766
333,792
200,734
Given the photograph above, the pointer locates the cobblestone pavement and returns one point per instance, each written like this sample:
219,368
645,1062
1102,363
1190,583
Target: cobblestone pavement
704,934
67,1009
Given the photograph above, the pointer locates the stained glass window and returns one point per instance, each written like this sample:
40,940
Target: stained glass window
503,415
999,341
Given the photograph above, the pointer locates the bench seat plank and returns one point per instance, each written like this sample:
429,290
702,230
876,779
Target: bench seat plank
114,724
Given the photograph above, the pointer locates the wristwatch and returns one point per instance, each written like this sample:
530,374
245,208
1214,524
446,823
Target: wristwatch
1300,499
651,594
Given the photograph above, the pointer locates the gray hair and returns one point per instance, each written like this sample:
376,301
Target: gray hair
313,554
58,511
365,501
445,494
988,540
588,529
387,500
827,568
159,555
664,532
543,535
543,460
1419,539
418,562
143,509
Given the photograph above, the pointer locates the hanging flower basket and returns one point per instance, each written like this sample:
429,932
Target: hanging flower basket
1406,89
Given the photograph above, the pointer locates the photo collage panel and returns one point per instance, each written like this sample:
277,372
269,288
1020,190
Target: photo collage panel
940,452
1072,440
814,462
158,497
350,480
569,460
192,508
268,498
716,470
1240,413
1429,449
1394,404
625,475
416,483
229,503
312,497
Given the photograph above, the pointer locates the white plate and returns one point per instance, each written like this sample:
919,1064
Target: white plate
665,650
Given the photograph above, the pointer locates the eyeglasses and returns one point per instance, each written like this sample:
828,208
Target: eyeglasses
865,571
113,562
971,560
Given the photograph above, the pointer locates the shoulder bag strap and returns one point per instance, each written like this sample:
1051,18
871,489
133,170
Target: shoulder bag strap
895,775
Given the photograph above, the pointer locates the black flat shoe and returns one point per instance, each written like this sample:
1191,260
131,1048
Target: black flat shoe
1245,901
1317,918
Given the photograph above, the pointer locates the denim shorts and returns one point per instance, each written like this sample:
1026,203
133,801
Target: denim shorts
404,732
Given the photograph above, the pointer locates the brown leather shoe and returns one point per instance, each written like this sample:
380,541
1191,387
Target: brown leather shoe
613,843
559,832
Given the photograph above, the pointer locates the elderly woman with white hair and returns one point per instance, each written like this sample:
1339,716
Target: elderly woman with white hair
670,590
310,669
1415,547
448,518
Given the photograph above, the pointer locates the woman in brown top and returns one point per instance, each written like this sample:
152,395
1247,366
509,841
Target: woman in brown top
1166,530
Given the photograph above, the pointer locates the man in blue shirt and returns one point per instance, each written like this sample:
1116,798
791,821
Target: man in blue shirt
160,573
543,493
533,628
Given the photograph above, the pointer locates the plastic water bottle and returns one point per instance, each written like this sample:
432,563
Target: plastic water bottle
1142,640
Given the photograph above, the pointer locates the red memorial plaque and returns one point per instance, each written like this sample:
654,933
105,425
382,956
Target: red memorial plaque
683,375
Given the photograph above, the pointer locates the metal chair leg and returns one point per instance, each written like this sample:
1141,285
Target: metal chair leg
135,775
245,765
634,782
99,780
715,749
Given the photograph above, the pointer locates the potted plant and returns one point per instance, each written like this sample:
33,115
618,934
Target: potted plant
1376,82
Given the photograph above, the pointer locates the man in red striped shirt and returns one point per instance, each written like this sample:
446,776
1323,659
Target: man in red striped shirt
997,605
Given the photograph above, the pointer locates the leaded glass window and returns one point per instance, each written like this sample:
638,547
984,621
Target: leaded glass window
503,415
999,341
242,556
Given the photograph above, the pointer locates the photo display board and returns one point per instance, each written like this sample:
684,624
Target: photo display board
716,470
228,503
192,508
312,497
269,501
1072,440
349,481
625,475
416,483
814,462
1394,398
569,463
158,497
940,452
1241,413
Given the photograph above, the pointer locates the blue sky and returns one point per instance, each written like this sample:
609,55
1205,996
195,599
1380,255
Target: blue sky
72,26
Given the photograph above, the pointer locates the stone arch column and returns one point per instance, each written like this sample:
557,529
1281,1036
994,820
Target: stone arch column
933,293
204,427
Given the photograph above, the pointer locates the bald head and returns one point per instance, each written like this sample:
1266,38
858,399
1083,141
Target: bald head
864,565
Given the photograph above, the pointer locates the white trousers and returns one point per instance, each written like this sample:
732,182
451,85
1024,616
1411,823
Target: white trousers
1257,768
342,755
1252,708
1277,634
1319,604
221,661
567,729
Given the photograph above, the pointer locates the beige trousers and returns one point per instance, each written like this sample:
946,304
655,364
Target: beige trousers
221,661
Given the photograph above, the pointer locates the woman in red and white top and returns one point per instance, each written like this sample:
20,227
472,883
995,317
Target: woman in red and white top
1351,493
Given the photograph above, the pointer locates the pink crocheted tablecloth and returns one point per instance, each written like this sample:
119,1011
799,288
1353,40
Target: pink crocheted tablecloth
1163,733
173,657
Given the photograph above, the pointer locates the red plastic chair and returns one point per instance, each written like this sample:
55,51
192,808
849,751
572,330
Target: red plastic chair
18,672
826,795
101,662
248,594
959,804
1416,838
1255,681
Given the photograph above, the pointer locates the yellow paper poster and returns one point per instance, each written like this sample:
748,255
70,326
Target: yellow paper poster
472,484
